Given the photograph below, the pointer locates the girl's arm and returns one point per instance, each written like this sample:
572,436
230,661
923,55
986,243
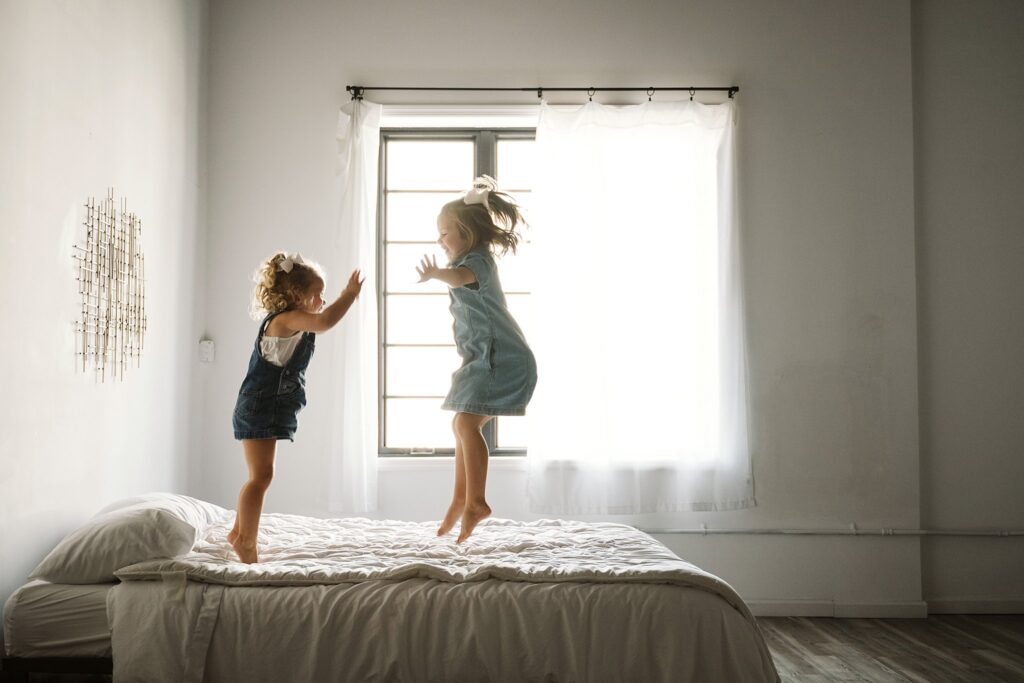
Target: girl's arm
453,277
303,321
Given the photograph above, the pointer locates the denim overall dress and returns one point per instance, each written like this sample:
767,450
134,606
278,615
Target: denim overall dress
271,397
498,372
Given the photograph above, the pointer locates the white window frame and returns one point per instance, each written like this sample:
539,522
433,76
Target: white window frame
485,125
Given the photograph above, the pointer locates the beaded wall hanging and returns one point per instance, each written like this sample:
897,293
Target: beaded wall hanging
111,329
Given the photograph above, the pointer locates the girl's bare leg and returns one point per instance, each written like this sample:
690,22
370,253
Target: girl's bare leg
459,495
259,456
475,456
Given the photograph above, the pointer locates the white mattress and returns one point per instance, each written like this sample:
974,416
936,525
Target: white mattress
43,619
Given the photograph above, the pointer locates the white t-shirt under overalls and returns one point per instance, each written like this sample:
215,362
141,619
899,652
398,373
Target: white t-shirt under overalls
278,350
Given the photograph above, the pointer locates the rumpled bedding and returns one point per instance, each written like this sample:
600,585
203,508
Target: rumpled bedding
359,599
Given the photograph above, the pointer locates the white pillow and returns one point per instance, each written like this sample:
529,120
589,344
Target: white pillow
197,512
156,525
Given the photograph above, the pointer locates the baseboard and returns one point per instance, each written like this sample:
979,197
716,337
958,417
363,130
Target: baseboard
977,606
917,609
842,610
790,608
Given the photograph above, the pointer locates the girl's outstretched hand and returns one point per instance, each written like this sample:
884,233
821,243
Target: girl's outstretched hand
427,268
355,284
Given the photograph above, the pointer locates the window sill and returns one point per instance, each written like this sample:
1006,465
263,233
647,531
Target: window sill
446,462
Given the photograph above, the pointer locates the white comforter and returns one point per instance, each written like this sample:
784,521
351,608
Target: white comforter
358,599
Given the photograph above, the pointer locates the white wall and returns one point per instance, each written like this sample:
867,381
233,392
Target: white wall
853,117
826,161
94,94
968,114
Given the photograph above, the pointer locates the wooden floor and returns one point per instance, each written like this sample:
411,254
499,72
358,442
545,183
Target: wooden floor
974,648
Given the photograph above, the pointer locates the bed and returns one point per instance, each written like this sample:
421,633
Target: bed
368,600
57,628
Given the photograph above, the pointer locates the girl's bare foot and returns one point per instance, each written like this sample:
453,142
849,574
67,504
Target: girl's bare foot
232,535
471,516
246,551
453,514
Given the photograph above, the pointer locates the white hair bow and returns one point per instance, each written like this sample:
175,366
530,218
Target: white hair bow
481,187
290,260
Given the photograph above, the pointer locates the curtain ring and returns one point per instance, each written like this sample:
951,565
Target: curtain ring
590,93
650,92
691,94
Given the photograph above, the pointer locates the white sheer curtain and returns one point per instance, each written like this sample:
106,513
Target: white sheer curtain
641,404
353,486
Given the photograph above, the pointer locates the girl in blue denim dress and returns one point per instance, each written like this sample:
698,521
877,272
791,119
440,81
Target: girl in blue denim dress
289,297
498,372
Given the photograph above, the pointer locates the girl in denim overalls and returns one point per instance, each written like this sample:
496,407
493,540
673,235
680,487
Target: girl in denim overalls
498,371
289,294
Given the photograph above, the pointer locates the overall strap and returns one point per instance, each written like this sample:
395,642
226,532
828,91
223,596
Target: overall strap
302,347
263,327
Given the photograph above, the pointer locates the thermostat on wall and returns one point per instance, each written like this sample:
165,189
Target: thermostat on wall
206,350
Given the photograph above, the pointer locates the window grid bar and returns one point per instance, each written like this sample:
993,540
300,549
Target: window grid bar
398,292
382,327
410,396
399,190
401,293
392,345
455,133
525,241
393,452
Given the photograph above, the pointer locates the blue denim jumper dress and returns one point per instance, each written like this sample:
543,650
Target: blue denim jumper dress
498,373
271,397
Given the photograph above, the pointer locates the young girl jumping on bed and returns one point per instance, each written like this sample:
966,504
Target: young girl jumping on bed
289,294
498,371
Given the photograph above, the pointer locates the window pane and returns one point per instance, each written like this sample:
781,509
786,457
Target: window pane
515,165
412,216
413,319
402,262
417,423
429,164
420,371
512,432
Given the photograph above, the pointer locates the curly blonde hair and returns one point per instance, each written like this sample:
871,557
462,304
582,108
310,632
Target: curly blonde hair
278,290
497,227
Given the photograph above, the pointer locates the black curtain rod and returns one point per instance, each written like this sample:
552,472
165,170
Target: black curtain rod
358,90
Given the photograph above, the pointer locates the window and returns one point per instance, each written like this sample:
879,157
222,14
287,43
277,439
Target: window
421,170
